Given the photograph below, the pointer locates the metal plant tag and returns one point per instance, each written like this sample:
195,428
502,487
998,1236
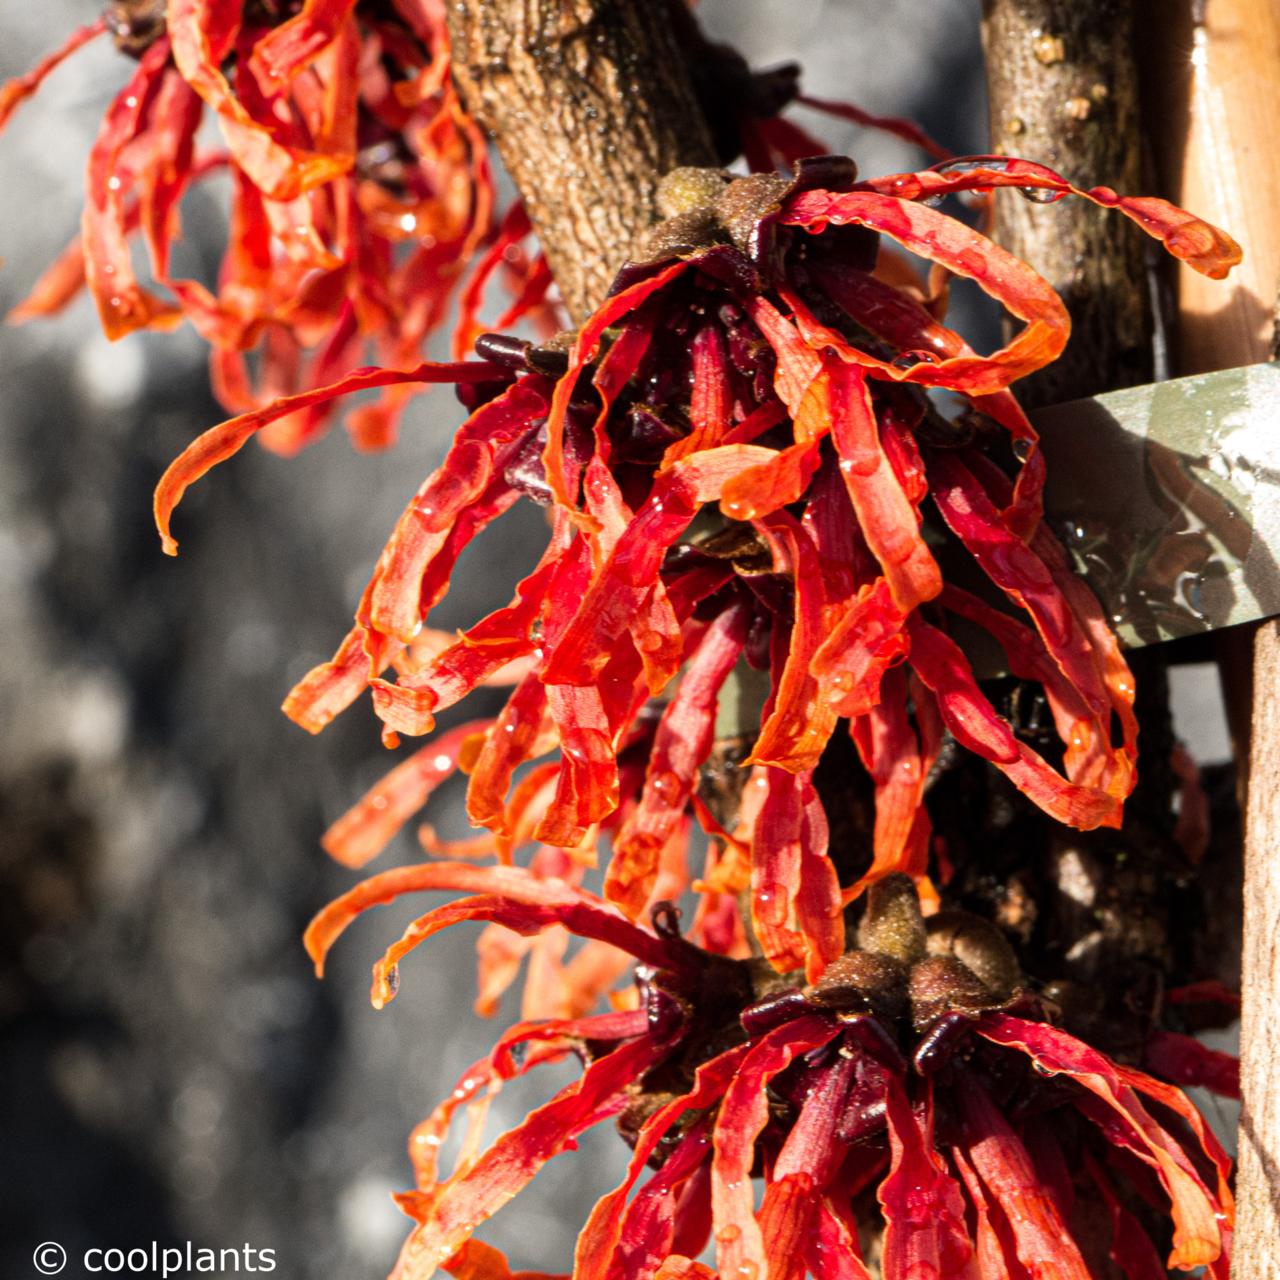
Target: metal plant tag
1168,496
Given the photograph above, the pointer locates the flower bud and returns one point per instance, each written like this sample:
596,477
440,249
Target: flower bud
892,924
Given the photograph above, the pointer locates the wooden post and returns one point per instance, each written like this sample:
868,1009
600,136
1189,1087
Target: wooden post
1218,89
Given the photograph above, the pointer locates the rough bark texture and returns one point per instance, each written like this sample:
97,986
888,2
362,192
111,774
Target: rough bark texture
1062,85
590,103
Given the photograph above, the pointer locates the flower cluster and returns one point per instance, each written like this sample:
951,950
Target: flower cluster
360,192
747,468
917,1084
785,501
736,455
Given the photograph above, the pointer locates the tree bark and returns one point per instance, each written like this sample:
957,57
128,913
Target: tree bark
589,103
1062,85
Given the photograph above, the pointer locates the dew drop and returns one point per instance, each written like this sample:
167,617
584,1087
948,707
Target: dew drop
967,164
909,359
665,785
1040,195
771,904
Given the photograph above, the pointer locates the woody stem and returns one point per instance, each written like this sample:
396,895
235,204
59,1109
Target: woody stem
589,102
1062,86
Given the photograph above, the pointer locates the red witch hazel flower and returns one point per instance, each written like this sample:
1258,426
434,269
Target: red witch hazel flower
913,1109
744,469
360,193
749,465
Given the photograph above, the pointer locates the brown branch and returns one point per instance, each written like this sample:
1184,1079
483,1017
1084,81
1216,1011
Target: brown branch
590,103
1062,84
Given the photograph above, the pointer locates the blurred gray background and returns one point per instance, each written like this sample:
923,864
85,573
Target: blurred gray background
169,1069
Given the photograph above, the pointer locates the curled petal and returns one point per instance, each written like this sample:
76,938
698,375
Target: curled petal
966,711
1002,1162
923,1209
400,590
964,252
16,91
286,49
203,32
629,574
520,732
479,654
1199,244
1016,568
801,718
584,350
454,1211
599,1240
1200,1219
518,1051
898,762
743,1113
795,897
681,746
759,491
221,442
561,904
329,689
479,1261
888,519
806,1164
509,889
123,305
366,829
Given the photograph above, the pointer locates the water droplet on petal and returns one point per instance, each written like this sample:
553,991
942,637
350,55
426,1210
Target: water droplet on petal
909,359
1040,195
665,785
771,904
